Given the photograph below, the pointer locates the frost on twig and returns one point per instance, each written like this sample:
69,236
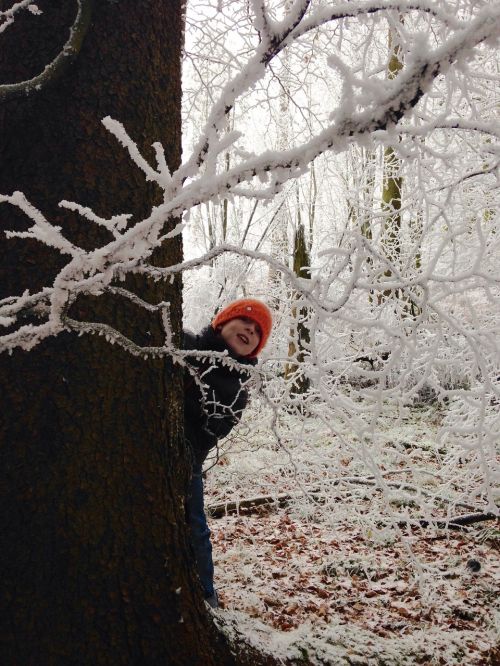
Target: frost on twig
7,16
160,176
60,63
115,224
200,180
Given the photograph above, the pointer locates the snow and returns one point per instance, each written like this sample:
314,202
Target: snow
200,180
338,568
335,581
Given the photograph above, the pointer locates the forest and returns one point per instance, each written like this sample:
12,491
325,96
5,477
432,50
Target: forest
337,160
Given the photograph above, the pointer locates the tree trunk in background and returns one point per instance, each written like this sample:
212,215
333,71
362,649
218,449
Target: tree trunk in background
300,335
279,250
392,192
95,564
392,178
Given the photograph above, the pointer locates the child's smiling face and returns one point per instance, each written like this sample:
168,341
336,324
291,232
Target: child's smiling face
241,334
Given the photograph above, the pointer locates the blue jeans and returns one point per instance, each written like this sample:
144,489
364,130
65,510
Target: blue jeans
200,534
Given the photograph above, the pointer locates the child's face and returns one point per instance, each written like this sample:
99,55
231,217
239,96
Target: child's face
241,334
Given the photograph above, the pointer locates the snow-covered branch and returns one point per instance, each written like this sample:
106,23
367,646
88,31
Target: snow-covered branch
200,181
63,59
7,16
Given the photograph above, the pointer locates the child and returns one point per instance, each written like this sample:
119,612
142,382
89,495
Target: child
242,328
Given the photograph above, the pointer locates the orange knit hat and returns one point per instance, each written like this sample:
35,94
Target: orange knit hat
254,310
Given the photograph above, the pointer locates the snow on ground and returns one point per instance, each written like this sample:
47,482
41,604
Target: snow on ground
333,575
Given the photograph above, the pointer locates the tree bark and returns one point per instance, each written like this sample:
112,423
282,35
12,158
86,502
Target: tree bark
96,567
300,335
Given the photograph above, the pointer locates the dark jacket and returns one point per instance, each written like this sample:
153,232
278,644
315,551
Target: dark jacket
212,414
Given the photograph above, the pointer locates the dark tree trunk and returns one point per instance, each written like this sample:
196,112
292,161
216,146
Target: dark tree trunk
94,559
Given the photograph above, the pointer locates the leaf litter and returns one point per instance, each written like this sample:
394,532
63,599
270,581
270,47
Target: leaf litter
337,580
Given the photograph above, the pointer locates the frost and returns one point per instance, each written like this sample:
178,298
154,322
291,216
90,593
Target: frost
319,573
293,125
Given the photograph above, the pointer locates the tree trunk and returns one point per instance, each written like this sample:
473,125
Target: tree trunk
392,193
96,568
299,335
392,179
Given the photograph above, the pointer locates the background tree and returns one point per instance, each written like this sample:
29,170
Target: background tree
392,187
299,331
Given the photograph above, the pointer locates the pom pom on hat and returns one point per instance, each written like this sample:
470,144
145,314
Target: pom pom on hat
252,309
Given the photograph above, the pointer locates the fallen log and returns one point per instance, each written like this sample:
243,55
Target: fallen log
249,505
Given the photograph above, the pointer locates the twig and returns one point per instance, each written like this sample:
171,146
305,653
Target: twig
64,58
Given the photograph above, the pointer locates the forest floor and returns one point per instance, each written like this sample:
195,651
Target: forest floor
332,575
